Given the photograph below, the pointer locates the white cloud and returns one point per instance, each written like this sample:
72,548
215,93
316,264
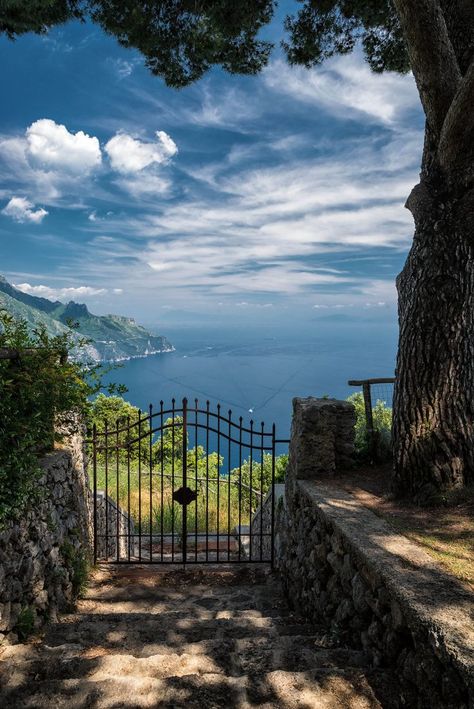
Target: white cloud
346,87
22,210
51,146
129,155
144,183
60,293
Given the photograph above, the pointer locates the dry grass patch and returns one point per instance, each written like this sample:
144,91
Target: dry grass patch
445,532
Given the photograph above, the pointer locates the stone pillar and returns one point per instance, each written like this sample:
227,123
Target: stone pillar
322,437
71,431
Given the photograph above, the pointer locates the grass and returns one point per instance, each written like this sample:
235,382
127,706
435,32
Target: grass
446,532
216,506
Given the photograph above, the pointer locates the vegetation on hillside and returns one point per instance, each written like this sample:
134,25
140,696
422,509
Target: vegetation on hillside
109,337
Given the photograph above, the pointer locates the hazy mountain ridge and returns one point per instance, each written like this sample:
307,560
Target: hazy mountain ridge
113,337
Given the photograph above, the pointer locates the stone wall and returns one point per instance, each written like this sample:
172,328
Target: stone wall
261,526
44,555
343,566
113,525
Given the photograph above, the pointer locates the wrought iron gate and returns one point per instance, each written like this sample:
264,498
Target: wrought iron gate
184,485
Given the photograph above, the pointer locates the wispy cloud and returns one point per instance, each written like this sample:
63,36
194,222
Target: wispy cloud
68,293
345,89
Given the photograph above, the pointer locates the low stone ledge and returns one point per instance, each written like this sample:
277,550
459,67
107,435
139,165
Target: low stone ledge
343,565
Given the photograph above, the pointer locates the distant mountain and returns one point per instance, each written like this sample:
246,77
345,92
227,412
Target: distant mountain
113,337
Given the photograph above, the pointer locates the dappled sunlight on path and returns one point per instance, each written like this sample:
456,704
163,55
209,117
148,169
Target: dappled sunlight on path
218,637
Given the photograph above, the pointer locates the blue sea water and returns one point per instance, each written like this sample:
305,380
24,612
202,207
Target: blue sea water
256,371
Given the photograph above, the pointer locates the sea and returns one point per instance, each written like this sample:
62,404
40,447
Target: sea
256,371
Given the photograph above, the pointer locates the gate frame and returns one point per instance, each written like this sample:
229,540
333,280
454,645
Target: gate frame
184,493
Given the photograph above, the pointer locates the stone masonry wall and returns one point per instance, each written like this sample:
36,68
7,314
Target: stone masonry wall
261,527
113,525
43,556
343,566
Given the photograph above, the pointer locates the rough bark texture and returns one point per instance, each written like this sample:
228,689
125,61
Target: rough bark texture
433,430
433,411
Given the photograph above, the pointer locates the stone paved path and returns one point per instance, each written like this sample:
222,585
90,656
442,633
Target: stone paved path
215,638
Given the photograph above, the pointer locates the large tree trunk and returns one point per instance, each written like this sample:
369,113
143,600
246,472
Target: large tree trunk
434,395
433,431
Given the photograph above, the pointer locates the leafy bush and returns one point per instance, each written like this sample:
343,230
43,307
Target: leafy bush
258,479
115,413
382,418
36,386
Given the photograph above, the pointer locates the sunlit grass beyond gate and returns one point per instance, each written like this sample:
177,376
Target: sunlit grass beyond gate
190,481
216,507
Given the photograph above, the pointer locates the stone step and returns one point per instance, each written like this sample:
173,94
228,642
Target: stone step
202,609
263,598
232,657
320,688
118,630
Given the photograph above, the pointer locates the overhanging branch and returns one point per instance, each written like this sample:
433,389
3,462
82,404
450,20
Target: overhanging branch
432,57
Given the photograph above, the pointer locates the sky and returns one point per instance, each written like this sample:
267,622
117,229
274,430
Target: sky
275,196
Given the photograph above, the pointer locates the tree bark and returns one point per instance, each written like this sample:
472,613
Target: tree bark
433,430
433,413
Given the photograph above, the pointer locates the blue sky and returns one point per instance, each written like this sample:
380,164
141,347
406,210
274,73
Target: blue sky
238,197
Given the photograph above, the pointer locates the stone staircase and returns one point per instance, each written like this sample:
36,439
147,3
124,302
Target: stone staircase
145,637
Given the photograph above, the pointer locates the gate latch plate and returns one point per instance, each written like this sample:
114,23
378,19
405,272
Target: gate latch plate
184,496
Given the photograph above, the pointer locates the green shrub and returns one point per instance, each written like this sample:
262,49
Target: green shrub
258,477
79,567
35,387
25,623
382,419
116,413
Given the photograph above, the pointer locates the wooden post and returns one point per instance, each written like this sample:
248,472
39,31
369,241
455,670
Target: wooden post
369,420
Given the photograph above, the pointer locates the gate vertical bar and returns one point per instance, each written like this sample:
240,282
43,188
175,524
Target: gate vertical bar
184,543
240,487
228,485
129,518
162,491
272,525
150,467
117,466
94,469
218,474
106,438
139,485
262,439
172,476
251,490
207,480
196,480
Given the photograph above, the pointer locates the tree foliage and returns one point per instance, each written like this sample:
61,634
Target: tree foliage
20,16
35,387
181,39
255,477
382,420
